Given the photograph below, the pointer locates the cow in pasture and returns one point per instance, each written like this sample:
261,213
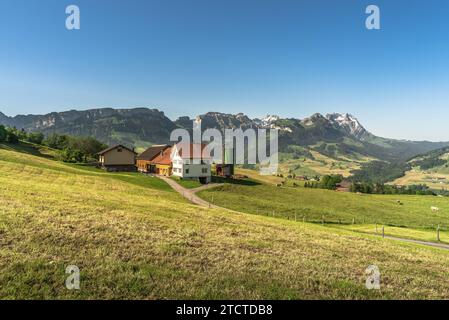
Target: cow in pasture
434,209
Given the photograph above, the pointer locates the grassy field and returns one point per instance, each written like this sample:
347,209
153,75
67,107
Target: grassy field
186,183
319,164
315,204
406,233
436,178
134,238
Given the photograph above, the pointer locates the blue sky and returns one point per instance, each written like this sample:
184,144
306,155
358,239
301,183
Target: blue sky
185,57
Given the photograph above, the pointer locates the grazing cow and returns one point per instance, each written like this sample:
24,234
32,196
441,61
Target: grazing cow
434,209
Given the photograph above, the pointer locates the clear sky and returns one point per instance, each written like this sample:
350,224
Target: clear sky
186,57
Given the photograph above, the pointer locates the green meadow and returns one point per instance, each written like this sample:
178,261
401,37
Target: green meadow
314,205
132,237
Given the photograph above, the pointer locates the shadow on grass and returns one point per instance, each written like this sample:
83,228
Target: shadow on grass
84,169
27,148
244,182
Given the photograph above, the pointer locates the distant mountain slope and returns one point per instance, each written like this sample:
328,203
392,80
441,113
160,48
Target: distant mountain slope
4,119
334,134
338,137
128,126
431,168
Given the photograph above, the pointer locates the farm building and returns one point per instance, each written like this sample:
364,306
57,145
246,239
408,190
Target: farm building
117,158
145,160
162,164
226,169
190,163
344,186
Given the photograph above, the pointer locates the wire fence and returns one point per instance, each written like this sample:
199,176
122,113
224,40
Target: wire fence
381,228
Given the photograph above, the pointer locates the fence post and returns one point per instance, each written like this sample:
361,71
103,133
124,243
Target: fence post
273,213
353,220
438,233
295,217
383,231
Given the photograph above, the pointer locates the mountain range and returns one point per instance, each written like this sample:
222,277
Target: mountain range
334,135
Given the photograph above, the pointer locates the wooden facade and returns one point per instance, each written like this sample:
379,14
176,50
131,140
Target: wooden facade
155,160
117,158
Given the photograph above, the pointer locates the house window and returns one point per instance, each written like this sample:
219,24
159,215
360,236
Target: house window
119,150
187,171
204,170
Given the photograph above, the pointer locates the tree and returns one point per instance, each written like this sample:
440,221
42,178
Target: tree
11,136
3,133
36,138
56,141
88,146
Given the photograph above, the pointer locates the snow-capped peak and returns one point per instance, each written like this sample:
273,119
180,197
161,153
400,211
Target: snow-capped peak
349,123
269,119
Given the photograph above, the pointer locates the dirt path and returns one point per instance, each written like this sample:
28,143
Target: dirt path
190,194
426,243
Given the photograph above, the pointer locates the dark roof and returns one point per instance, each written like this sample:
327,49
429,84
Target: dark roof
152,152
115,147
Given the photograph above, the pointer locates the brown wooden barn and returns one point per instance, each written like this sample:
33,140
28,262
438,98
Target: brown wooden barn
117,158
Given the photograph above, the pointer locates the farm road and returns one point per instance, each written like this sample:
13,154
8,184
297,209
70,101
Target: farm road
190,194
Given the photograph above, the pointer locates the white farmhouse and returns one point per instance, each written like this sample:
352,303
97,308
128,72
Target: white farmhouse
190,163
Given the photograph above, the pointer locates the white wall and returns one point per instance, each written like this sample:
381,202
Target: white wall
180,167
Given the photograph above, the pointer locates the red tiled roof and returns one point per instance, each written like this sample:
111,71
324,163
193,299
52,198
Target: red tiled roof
163,157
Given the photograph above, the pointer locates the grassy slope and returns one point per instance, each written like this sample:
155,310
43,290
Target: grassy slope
315,203
140,240
436,178
317,163
186,183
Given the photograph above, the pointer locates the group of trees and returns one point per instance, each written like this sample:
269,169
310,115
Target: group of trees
380,188
14,135
69,148
380,171
8,135
74,149
429,163
329,182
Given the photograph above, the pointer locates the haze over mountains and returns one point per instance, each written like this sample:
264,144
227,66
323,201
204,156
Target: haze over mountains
334,135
